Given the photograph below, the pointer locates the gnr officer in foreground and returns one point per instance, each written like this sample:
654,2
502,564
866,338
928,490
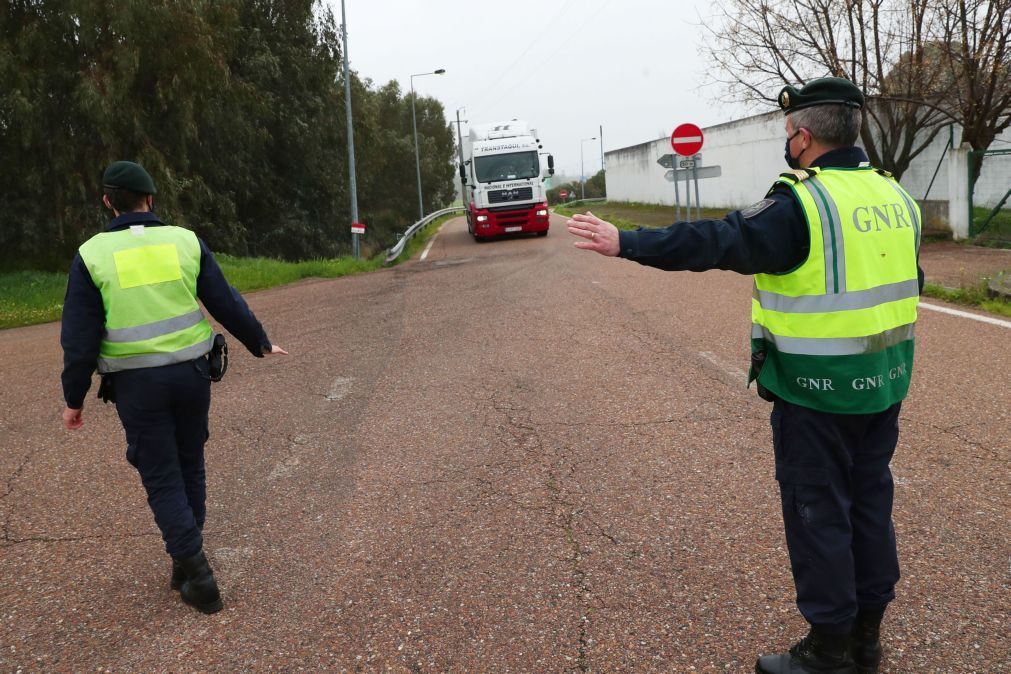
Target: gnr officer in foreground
833,248
131,312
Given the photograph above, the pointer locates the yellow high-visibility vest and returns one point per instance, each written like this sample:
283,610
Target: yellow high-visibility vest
838,330
148,280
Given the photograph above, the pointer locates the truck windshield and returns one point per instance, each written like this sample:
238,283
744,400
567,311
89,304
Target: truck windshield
512,166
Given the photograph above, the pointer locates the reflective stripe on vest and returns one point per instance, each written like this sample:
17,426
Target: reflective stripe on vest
107,365
147,278
838,330
834,346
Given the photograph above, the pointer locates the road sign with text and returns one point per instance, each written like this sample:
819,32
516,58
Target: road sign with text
700,173
357,227
686,139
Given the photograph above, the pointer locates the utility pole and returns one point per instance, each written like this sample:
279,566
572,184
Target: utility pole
355,246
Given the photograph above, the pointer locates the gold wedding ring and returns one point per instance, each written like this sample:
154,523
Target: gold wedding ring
593,235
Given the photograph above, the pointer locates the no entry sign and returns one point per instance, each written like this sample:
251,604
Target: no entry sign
686,139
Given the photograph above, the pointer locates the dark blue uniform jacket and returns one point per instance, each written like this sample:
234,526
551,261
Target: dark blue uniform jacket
769,237
84,313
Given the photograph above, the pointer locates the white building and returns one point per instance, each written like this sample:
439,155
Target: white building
749,153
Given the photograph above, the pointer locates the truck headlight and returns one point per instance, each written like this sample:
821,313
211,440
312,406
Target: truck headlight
542,212
482,218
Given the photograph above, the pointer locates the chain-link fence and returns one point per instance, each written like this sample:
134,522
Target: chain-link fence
990,197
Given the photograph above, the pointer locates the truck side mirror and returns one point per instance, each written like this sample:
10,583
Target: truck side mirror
551,165
463,173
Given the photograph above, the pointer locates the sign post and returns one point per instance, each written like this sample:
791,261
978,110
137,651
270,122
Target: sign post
695,175
667,161
686,140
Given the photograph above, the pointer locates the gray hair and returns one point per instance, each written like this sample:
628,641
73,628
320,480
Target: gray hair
834,125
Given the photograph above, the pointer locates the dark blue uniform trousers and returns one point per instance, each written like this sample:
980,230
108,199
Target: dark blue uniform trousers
836,490
164,412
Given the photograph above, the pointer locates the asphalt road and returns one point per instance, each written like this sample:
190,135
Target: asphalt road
509,457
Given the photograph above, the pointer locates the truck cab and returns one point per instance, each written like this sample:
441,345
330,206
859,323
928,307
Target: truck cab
505,192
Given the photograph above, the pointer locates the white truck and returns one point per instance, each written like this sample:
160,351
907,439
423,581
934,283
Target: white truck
505,192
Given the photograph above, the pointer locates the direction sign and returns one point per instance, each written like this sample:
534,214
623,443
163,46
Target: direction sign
686,163
686,139
700,173
667,160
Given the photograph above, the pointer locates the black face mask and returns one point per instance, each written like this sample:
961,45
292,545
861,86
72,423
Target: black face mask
791,161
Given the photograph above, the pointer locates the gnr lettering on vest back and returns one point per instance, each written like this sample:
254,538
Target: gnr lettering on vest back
815,384
865,383
892,216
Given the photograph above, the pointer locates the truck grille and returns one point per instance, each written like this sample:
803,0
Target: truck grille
515,194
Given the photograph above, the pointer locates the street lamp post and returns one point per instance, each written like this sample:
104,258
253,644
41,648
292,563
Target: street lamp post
351,137
417,154
582,174
602,156
459,146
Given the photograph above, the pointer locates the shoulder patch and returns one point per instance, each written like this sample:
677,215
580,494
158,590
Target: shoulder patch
756,208
797,175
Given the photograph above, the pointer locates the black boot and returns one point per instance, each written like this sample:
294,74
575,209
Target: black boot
200,590
817,653
865,640
178,576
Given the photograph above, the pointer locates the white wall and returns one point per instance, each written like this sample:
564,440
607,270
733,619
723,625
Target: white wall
750,154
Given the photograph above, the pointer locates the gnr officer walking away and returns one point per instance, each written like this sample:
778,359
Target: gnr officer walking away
833,248
131,312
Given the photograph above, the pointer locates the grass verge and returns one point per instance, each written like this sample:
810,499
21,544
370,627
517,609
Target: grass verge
31,297
973,296
631,215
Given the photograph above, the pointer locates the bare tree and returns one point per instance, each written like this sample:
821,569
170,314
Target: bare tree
893,49
976,35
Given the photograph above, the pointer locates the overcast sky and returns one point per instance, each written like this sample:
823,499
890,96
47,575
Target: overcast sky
564,66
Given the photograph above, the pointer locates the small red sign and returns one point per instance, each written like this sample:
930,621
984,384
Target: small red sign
686,139
563,193
357,227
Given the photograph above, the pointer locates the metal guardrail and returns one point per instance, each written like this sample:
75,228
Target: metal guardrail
398,248
580,202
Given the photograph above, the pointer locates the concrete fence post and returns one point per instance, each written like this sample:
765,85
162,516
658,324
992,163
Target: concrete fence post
958,191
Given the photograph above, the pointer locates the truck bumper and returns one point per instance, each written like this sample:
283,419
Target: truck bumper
531,218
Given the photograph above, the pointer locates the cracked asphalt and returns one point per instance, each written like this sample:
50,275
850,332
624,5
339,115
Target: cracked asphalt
510,457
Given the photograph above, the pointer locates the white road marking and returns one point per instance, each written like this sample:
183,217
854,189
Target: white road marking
735,372
424,254
966,314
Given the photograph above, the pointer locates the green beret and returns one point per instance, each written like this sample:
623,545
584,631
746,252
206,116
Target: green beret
129,176
823,91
